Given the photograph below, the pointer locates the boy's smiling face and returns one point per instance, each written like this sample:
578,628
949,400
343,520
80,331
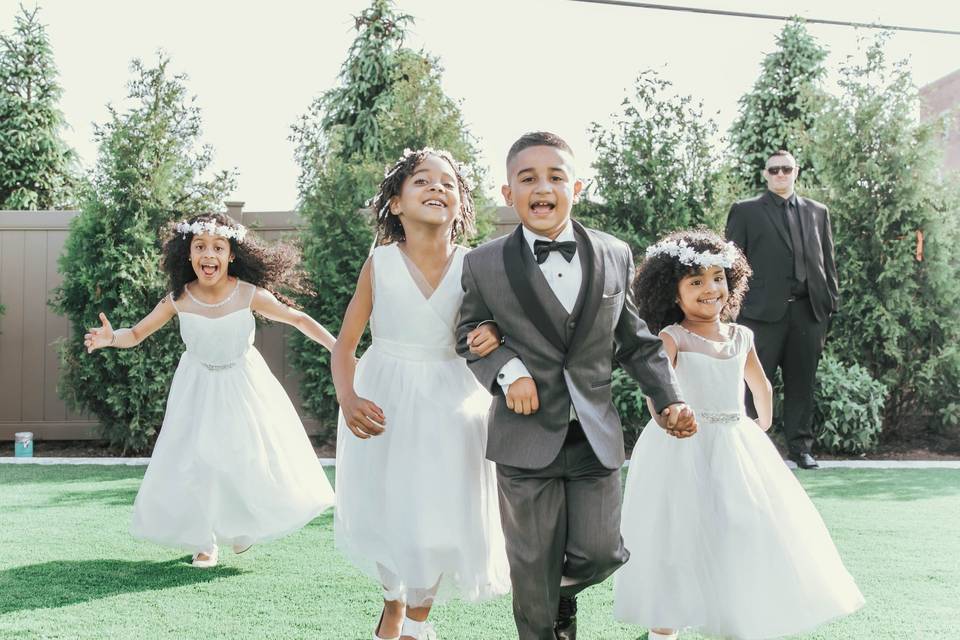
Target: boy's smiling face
542,188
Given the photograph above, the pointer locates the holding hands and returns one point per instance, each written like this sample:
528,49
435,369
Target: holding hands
99,337
678,420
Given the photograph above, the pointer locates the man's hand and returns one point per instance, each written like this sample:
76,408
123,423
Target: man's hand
363,418
678,420
522,396
484,339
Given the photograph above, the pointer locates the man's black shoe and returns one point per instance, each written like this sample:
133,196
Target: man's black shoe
804,460
565,628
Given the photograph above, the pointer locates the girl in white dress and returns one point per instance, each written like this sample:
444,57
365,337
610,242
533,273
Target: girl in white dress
232,463
722,537
417,506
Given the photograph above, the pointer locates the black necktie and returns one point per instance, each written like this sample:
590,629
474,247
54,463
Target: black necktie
542,249
793,222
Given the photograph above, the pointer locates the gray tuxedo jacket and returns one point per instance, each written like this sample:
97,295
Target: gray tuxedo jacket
570,356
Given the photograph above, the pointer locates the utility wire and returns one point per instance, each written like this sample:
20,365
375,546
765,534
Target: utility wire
767,16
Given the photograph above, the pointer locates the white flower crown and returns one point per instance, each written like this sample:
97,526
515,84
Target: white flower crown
691,257
209,226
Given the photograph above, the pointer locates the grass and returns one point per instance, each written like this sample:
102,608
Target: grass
69,569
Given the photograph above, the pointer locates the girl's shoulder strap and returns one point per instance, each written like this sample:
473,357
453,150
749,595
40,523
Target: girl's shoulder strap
744,337
247,291
673,331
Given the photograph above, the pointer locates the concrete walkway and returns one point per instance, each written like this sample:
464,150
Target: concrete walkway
329,462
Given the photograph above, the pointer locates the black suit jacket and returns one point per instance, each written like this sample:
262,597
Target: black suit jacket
758,228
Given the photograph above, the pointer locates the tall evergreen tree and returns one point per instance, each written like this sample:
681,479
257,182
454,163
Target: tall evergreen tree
779,110
389,98
896,234
37,168
150,171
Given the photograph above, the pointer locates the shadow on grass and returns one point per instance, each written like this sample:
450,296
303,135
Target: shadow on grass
116,496
61,583
882,484
57,473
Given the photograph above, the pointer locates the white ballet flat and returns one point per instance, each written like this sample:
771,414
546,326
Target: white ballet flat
241,548
211,560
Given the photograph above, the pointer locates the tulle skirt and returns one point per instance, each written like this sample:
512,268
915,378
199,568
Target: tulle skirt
232,463
723,539
417,506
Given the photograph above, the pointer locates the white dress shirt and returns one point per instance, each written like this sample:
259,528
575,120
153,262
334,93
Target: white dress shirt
564,279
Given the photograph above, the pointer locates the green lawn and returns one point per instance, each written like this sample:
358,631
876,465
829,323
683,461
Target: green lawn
69,569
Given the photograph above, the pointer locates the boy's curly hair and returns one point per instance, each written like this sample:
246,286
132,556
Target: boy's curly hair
389,229
274,267
655,284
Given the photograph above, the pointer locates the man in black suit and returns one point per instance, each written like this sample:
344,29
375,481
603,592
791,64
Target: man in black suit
788,242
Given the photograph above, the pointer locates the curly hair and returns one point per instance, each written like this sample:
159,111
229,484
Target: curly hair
389,228
274,267
658,277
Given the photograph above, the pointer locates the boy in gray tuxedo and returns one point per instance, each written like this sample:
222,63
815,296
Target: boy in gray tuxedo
558,293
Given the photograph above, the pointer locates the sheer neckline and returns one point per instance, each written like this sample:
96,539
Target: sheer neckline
213,305
731,329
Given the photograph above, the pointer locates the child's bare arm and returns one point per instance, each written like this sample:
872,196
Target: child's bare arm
105,336
267,305
363,417
670,347
760,388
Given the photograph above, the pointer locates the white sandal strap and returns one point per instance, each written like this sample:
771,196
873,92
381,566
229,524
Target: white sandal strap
419,629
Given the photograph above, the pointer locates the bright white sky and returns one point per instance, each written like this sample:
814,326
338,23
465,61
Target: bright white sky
516,65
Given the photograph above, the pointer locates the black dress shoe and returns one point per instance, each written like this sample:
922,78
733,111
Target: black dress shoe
565,627
804,460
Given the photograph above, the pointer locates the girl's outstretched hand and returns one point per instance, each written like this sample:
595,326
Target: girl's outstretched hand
484,339
363,418
99,337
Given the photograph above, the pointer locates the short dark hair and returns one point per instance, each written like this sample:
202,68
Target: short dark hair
537,139
779,153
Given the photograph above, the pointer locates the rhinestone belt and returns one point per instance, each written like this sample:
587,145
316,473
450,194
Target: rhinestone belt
708,416
218,367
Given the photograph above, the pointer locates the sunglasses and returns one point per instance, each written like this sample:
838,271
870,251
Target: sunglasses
775,170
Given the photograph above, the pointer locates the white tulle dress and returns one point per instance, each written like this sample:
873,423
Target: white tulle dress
722,537
232,463
417,506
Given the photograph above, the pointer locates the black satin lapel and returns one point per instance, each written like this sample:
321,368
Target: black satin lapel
775,215
520,273
588,302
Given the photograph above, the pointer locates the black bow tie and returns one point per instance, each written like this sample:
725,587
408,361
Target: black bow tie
542,249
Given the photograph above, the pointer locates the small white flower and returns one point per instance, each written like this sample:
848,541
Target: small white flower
238,233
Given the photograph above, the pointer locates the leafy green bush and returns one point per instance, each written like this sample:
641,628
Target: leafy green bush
631,405
655,168
848,407
37,168
148,173
390,98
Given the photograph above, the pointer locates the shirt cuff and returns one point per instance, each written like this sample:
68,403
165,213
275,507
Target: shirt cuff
511,372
